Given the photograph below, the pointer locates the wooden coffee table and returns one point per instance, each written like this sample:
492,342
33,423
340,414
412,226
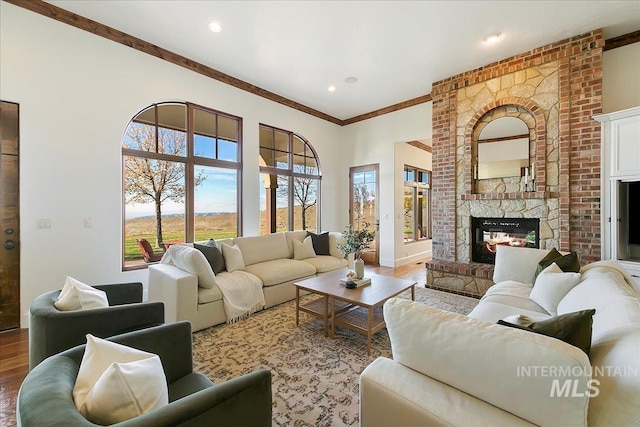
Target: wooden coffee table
357,309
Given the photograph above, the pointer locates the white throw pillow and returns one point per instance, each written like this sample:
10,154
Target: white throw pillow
552,284
304,249
76,295
519,264
232,258
192,260
116,382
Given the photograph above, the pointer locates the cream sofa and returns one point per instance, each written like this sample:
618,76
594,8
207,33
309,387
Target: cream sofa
454,370
267,259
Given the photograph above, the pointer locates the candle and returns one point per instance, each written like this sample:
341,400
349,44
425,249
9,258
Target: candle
533,176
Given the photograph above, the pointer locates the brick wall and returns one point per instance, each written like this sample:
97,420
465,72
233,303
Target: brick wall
577,191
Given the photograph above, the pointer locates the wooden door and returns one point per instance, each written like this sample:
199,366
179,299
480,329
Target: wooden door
363,206
9,217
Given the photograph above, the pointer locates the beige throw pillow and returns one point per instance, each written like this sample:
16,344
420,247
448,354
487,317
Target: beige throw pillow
233,258
76,295
304,249
116,383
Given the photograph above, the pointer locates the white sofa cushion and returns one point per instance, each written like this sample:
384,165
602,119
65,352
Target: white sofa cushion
552,284
76,295
392,394
324,263
615,346
484,360
116,382
193,261
263,248
505,299
519,264
281,271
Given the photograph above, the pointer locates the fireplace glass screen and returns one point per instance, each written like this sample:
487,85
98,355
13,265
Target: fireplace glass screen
489,233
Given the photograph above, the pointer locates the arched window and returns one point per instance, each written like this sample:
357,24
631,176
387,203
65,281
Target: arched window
290,177
181,183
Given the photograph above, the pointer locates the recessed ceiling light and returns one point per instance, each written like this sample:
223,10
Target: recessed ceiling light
215,27
351,80
492,38
332,88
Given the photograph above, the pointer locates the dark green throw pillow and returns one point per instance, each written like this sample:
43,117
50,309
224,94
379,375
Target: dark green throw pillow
568,263
320,243
572,328
213,255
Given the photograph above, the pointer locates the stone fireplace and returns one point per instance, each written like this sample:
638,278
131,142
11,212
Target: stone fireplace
488,233
555,90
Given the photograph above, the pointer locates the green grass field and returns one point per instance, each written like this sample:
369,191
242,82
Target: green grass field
216,227
207,227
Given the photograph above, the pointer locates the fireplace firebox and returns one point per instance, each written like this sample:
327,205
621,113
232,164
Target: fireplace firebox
488,233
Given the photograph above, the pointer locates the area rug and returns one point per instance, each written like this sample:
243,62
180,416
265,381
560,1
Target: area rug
314,378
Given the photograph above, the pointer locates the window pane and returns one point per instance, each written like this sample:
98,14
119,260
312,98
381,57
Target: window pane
204,146
423,213
281,160
266,138
172,129
282,204
282,150
215,203
358,177
370,176
267,157
154,204
228,128
408,214
363,205
140,137
204,134
227,150
304,203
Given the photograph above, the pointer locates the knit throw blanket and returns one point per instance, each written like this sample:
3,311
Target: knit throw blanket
241,294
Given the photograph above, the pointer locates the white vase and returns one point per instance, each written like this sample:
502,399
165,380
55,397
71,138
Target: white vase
359,268
350,259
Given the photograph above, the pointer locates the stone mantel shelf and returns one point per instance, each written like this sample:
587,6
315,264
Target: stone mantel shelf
510,196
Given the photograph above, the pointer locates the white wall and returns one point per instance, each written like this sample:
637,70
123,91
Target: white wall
620,81
374,141
77,93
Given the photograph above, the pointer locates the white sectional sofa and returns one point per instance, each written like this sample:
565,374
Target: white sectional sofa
454,370
268,260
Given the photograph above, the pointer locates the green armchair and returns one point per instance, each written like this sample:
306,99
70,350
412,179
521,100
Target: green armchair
52,331
46,395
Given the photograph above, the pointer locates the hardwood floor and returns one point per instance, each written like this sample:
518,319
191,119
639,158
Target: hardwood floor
14,366
14,347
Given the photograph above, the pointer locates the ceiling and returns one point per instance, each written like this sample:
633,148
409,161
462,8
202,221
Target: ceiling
395,49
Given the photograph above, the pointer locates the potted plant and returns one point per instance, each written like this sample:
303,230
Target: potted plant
355,242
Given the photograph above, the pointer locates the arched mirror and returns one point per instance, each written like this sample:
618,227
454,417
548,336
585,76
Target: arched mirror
503,149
